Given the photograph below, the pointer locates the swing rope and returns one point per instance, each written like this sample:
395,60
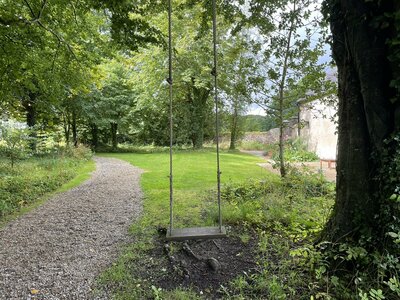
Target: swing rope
204,232
214,73
171,125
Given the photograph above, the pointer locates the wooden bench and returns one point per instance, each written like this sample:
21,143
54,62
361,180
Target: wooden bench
329,161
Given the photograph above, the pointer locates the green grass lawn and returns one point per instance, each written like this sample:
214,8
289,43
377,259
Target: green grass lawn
281,215
194,177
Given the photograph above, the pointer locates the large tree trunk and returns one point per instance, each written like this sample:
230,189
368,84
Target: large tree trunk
114,141
74,129
95,136
29,105
366,116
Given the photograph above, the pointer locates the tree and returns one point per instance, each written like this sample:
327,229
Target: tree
365,45
289,57
110,100
47,51
237,68
192,57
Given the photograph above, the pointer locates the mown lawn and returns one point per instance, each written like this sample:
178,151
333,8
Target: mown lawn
194,177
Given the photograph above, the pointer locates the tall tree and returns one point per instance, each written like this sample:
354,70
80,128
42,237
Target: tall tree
192,79
288,56
110,101
47,50
237,69
365,39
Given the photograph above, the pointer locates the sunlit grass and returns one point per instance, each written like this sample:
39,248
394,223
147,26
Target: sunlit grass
195,175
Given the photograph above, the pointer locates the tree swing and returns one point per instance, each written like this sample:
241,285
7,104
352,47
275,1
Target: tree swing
196,232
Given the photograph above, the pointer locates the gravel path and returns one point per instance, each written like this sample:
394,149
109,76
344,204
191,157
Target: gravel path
57,250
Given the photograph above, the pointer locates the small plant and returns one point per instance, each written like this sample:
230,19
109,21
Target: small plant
296,151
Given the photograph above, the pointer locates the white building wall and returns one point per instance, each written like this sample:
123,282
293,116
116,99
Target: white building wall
319,130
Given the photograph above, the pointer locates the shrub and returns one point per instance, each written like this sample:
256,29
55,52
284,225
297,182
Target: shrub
79,152
299,203
295,151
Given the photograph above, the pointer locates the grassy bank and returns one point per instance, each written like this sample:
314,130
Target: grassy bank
30,182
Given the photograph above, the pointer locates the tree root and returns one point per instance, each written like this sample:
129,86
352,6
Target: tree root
180,266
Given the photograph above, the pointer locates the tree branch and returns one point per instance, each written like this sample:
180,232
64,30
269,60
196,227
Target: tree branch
30,8
60,39
41,9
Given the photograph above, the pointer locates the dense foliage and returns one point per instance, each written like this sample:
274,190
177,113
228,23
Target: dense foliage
95,70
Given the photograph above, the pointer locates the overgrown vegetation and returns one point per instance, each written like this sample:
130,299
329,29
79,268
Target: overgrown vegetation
26,182
286,216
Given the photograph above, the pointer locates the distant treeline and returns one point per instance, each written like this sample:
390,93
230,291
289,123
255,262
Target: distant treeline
258,123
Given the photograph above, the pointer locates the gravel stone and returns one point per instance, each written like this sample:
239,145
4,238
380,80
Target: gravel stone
57,250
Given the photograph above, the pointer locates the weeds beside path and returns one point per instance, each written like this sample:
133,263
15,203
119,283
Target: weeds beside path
56,251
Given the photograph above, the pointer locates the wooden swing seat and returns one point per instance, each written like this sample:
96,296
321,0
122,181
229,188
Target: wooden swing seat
195,233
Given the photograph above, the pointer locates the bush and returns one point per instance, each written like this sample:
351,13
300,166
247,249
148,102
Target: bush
286,215
295,151
299,203
79,152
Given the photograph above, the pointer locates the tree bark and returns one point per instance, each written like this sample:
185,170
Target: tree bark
67,127
366,116
234,128
198,99
95,136
29,105
282,85
74,129
114,141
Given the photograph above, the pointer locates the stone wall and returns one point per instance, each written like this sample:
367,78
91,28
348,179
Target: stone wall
269,137
318,130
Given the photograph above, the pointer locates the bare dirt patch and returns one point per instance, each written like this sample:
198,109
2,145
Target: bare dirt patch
202,265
